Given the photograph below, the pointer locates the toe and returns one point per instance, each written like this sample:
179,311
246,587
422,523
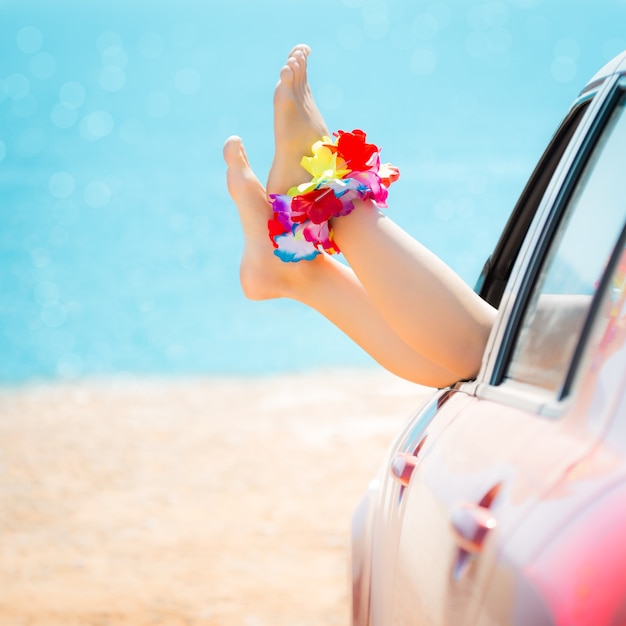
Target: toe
302,47
241,180
233,151
286,75
298,65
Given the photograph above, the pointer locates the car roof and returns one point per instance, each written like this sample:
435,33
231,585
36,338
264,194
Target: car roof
617,65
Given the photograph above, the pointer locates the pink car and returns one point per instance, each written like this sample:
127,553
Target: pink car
503,499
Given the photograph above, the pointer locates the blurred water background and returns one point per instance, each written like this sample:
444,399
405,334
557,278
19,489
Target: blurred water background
119,246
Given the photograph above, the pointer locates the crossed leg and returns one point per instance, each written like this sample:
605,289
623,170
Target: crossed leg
324,284
397,300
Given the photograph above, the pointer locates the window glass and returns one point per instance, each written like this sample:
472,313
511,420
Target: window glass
574,264
609,326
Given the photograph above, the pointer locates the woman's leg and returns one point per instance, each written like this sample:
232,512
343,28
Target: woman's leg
324,284
427,304
420,298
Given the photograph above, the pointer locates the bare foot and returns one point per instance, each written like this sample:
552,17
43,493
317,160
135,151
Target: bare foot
298,124
262,274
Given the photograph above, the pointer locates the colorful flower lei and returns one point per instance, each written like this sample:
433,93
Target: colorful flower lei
343,170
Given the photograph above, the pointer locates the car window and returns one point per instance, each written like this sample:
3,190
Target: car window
608,331
574,264
499,265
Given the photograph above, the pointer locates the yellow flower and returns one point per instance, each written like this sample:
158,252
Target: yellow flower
324,163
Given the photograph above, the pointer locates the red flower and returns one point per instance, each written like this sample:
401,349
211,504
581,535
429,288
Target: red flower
318,205
354,150
275,229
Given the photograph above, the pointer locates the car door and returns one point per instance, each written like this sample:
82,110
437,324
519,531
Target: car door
565,564
385,515
498,443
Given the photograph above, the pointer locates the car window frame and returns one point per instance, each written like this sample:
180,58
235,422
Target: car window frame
497,269
492,382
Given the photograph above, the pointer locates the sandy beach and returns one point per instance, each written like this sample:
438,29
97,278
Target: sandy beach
188,502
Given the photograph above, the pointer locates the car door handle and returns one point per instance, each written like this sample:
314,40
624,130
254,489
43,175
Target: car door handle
403,463
402,466
471,524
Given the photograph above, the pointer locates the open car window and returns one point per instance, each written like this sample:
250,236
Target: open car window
573,266
497,270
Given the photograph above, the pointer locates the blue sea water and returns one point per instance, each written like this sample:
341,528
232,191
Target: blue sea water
119,245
